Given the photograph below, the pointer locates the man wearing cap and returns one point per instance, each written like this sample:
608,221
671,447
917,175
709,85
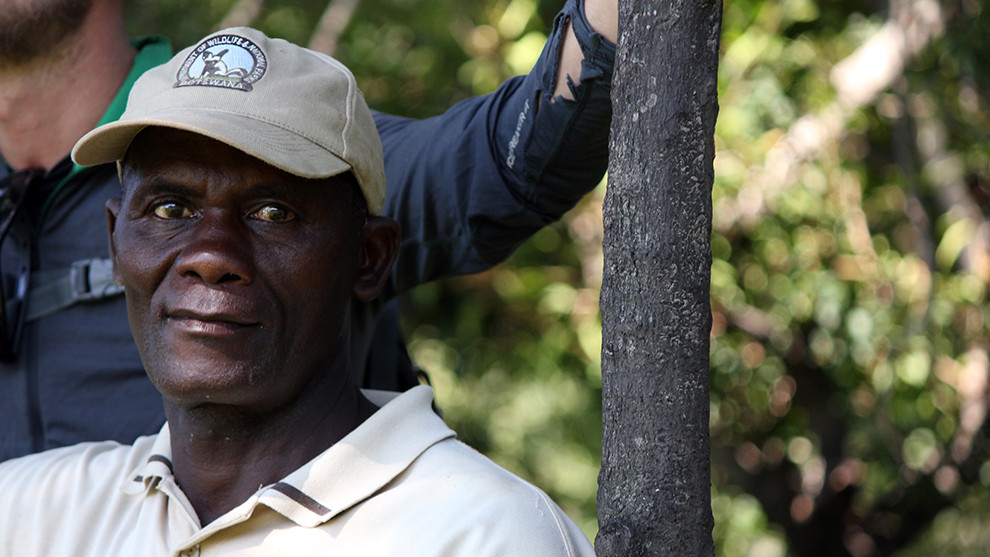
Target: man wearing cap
247,224
495,170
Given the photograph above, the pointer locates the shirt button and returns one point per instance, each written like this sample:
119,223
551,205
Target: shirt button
191,552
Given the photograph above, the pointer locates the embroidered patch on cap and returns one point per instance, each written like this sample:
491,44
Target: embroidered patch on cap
227,61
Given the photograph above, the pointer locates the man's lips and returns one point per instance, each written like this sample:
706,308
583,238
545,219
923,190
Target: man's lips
216,322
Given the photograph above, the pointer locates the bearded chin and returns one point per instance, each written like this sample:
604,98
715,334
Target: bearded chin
35,30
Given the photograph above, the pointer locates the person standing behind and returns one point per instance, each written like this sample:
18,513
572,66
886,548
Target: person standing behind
69,371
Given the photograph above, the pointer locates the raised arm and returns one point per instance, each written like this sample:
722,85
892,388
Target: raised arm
470,185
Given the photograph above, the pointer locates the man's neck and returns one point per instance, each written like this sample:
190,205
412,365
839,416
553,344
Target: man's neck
222,455
47,105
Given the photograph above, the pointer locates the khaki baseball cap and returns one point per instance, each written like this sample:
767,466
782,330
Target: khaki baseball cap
296,109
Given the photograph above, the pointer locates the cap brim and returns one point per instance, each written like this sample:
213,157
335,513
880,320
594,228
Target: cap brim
283,149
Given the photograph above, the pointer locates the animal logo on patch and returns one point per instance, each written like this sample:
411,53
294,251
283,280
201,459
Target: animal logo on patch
225,61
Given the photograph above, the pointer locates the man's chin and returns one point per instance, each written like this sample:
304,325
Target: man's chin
201,381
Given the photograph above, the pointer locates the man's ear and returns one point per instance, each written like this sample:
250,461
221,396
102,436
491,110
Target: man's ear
379,247
113,209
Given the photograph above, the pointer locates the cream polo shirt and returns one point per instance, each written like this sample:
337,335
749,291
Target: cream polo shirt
399,484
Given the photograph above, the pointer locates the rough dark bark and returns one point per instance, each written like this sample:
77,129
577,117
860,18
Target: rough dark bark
654,493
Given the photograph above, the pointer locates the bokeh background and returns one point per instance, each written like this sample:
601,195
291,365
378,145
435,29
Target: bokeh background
849,357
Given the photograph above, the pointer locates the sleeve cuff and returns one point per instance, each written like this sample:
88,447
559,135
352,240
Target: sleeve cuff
599,52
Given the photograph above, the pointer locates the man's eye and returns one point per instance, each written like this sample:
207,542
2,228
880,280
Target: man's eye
171,210
274,213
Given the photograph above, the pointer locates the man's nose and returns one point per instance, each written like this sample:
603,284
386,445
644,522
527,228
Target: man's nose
218,250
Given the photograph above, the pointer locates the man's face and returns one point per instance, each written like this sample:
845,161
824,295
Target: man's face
238,275
34,29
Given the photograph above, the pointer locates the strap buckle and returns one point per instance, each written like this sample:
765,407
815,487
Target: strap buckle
92,279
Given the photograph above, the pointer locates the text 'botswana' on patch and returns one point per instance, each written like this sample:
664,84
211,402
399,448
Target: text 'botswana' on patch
226,61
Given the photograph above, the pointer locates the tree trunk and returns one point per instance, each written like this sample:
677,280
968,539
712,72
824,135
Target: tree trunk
654,494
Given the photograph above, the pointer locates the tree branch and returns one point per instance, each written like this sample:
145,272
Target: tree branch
332,24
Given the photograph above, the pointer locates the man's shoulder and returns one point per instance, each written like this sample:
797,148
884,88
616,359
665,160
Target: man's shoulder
453,491
96,465
468,477
56,500
452,459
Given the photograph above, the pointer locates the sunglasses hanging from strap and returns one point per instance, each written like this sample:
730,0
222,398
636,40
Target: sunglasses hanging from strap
13,293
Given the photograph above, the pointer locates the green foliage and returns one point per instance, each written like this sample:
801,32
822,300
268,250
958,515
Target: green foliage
849,284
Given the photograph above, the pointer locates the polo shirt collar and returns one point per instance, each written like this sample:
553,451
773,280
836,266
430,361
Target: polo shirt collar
156,467
350,471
